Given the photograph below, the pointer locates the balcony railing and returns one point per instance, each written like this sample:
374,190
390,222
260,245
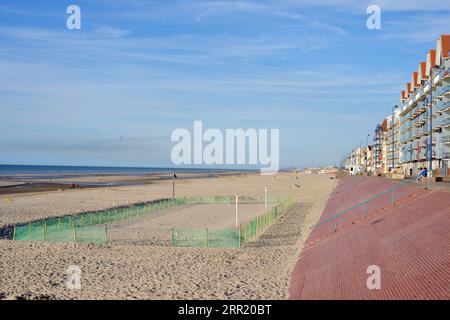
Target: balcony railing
445,155
422,105
443,91
442,121
441,106
445,139
405,137
424,130
422,118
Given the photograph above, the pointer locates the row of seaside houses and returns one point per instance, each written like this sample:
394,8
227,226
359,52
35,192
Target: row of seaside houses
418,128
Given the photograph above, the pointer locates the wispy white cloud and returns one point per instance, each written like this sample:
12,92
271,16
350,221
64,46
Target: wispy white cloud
182,48
111,32
314,24
349,6
423,28
25,33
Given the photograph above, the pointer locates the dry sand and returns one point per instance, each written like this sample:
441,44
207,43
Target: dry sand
261,270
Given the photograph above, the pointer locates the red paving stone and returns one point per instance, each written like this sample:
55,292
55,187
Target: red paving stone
410,243
354,190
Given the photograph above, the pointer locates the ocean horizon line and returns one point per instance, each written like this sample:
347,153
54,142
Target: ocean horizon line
40,168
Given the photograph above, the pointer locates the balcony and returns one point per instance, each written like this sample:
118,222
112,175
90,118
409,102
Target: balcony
442,106
405,137
445,139
422,118
405,128
442,121
444,151
422,155
422,106
424,130
444,91
445,155
420,94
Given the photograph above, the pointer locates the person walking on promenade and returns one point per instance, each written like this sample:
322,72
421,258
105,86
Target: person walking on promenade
423,173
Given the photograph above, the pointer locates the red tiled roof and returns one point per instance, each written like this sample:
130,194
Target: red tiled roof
433,57
408,87
384,125
414,79
423,70
445,43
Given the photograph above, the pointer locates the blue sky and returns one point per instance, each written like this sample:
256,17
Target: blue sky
112,92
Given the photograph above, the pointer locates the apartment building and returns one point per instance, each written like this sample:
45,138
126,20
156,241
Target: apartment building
420,126
391,142
425,114
378,157
357,159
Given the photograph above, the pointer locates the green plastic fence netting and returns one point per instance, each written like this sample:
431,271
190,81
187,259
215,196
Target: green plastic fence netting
231,237
86,227
50,231
224,238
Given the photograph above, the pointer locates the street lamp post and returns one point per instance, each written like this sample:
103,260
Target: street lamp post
393,133
360,154
367,147
430,145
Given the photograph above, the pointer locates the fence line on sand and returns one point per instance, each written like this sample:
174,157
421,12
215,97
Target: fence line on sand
91,226
231,237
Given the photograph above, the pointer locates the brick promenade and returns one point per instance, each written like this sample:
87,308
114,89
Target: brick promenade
410,242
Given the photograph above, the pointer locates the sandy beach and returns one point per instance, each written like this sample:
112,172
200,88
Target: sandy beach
260,270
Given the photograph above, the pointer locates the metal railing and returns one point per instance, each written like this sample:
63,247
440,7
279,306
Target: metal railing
442,105
363,208
443,121
443,90
445,139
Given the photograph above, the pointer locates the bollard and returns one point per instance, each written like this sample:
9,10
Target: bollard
206,237
392,198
